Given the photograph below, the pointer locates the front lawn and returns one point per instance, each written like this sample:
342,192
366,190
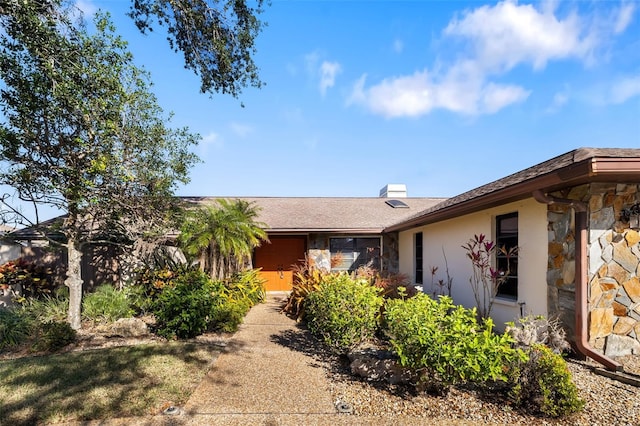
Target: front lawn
98,384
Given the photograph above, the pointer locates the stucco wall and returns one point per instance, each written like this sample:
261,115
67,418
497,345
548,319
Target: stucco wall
452,234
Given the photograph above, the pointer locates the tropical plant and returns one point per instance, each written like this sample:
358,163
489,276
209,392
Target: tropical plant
15,327
25,279
222,238
343,312
486,280
538,330
306,279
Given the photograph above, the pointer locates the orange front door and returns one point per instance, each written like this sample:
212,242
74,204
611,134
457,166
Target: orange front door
277,260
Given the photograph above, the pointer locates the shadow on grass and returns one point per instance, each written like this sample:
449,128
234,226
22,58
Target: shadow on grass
97,384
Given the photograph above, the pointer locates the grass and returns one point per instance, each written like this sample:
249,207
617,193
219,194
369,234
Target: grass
100,384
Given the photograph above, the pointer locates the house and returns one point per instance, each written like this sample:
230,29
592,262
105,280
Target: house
345,230
578,254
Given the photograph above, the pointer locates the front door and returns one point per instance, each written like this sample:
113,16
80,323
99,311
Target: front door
277,260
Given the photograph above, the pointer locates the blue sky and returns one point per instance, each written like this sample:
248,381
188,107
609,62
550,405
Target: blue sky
443,96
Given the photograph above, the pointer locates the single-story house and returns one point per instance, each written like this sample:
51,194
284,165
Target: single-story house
573,218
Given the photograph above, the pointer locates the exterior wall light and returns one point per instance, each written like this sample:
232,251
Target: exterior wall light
631,215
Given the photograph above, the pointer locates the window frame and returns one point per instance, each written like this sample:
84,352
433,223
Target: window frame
418,257
377,259
507,239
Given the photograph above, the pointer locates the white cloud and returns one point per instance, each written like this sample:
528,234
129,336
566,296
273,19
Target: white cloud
398,46
497,39
559,100
461,90
210,141
624,89
328,73
86,7
509,34
624,18
241,130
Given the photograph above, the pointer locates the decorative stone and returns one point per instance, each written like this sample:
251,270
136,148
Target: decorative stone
569,271
617,272
622,297
624,326
636,329
602,219
632,287
595,235
602,272
632,237
595,292
619,309
555,248
606,239
607,284
128,327
595,258
595,202
376,365
607,253
562,227
601,322
598,343
623,256
609,198
621,346
558,261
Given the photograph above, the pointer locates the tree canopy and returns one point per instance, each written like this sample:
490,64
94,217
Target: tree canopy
216,37
81,131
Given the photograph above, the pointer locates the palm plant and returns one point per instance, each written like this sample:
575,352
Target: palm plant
222,238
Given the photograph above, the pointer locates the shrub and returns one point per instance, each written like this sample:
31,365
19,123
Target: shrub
184,310
27,279
443,344
106,304
247,285
52,336
532,330
15,327
306,279
543,383
49,308
343,311
228,313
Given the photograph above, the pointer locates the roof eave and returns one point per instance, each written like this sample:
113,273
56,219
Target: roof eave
595,169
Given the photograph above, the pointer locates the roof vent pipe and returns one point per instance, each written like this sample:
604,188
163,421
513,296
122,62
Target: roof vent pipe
581,340
394,190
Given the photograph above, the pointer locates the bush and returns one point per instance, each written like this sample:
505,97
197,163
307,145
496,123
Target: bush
54,335
106,304
543,383
184,310
150,284
15,327
50,308
247,285
228,314
343,312
443,344
27,279
306,279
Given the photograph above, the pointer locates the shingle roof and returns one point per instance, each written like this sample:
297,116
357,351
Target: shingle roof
344,214
574,167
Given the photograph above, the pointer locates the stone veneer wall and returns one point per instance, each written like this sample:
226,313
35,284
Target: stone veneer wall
614,267
318,251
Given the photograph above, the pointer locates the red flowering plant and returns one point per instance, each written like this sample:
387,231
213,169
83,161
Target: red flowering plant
25,279
486,280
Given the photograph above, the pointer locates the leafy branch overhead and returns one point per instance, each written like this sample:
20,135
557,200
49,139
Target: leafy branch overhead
216,37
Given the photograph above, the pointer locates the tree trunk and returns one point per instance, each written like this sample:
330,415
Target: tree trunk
74,282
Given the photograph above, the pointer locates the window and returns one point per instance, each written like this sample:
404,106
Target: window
506,260
417,249
348,254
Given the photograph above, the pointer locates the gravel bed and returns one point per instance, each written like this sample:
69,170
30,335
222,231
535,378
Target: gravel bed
607,402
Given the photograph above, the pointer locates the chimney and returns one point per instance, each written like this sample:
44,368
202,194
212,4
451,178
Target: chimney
394,190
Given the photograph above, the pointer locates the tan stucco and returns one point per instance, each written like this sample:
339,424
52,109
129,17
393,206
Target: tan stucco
451,235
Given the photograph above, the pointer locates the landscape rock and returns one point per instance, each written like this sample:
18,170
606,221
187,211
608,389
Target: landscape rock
127,327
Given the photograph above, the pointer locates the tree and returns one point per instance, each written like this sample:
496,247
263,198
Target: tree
82,132
215,36
222,238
